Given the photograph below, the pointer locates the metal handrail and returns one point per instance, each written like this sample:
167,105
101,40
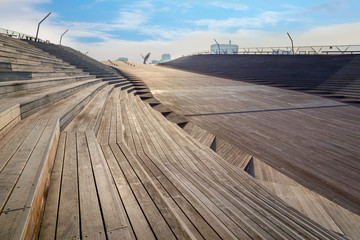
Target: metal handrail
296,50
18,35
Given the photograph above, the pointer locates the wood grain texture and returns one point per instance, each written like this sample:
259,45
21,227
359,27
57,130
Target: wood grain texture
296,133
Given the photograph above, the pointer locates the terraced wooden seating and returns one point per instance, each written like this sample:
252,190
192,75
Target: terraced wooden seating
19,60
78,59
34,101
42,96
323,75
27,153
22,87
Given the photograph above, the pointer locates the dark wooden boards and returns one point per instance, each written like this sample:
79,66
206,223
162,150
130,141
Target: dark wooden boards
298,134
182,179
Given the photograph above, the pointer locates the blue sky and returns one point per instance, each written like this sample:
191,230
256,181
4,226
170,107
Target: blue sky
109,29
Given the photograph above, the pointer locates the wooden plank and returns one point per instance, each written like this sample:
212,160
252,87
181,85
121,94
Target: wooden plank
307,201
15,165
201,225
206,189
163,201
91,222
126,132
95,122
104,127
200,134
113,212
16,139
68,223
49,222
136,217
347,221
38,194
156,220
32,183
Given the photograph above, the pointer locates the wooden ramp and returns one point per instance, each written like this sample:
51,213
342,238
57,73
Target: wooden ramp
312,140
145,178
334,76
348,223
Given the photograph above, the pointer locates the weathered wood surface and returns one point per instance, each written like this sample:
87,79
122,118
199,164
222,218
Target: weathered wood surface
313,140
334,76
155,163
27,153
87,187
318,208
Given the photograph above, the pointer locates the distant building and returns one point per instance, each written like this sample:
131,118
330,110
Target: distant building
224,48
123,59
282,52
164,58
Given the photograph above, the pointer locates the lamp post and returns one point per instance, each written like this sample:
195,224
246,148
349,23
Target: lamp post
37,32
63,35
218,46
292,43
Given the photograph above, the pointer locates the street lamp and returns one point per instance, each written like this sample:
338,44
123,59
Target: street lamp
37,32
218,45
63,35
292,43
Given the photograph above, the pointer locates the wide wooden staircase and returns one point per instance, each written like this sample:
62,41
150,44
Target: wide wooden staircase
82,156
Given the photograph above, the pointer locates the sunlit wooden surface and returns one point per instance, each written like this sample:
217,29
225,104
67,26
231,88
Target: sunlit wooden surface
313,140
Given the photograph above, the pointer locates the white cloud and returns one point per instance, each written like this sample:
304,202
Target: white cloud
199,41
131,20
246,32
266,18
330,35
229,5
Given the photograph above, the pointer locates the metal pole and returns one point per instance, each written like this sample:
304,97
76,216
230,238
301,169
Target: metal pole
218,45
292,43
63,35
37,32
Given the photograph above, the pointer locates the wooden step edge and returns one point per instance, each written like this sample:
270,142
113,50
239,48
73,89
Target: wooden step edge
70,114
17,88
90,116
96,124
30,107
29,225
9,117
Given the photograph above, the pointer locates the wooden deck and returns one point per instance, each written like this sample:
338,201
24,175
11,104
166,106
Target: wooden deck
145,178
313,140
96,161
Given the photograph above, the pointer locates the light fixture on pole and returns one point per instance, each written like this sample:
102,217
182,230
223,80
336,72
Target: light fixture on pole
218,46
37,32
292,43
63,35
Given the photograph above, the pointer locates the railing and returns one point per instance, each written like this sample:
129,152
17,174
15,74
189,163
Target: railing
18,35
302,50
